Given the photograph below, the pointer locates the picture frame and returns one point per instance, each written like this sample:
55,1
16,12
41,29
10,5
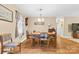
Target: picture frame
6,14
38,23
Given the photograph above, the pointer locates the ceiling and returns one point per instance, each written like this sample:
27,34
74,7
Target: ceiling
49,10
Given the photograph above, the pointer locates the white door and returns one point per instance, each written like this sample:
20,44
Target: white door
59,22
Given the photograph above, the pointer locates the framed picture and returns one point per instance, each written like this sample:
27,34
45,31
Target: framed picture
6,14
38,23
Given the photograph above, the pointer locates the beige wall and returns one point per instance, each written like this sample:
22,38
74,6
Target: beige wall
9,27
41,28
69,20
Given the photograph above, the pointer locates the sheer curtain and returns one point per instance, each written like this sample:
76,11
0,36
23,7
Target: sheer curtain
19,25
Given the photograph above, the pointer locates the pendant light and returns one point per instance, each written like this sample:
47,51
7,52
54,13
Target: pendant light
40,19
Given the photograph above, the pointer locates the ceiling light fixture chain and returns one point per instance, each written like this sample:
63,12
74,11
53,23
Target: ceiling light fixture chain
41,19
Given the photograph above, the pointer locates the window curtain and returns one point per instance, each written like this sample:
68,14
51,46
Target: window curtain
19,30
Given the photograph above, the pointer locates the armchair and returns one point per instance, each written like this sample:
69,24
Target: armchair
7,42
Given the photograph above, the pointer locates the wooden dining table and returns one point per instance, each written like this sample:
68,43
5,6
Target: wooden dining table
38,39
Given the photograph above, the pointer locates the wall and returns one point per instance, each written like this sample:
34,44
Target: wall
9,27
69,20
41,28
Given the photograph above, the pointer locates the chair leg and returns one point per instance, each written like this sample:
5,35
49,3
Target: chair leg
39,42
48,43
20,47
2,49
31,43
11,50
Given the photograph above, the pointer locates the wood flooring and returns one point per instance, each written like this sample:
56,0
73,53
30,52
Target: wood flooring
64,46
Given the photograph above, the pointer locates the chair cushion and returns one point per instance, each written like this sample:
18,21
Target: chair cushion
35,36
7,37
43,36
51,37
10,45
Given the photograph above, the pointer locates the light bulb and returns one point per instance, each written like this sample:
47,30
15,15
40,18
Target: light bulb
39,20
42,19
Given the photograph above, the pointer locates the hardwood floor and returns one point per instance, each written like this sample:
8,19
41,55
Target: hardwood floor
26,48
65,47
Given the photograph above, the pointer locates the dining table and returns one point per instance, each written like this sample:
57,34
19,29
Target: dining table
39,39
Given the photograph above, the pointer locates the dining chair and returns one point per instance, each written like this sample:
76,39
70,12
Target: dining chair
35,39
43,37
7,42
51,38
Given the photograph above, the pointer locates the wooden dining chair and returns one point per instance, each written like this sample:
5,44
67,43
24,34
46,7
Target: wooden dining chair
7,42
51,38
35,39
43,37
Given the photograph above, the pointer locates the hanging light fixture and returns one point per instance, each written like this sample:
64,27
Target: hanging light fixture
40,19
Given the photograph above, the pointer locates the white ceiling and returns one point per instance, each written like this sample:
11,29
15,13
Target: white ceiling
49,10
